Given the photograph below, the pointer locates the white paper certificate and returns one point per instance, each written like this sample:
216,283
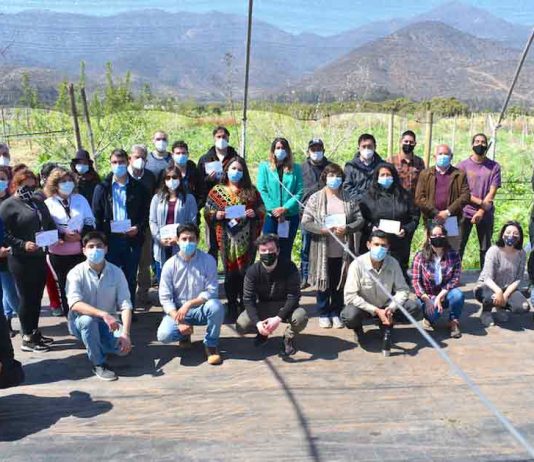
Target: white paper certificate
335,220
46,238
283,229
215,166
390,226
451,225
235,211
168,231
120,226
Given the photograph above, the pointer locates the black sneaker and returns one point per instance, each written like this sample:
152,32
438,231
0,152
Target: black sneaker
103,372
386,343
33,344
185,343
45,340
288,347
260,340
358,334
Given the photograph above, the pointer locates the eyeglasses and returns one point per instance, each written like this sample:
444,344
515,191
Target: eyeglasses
172,178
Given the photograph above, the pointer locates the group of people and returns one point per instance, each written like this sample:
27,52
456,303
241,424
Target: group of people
99,245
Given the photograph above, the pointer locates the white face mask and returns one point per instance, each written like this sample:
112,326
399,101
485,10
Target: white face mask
172,184
221,143
138,164
4,161
367,154
161,145
316,156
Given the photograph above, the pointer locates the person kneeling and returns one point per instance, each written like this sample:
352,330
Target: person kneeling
271,295
188,292
365,299
96,289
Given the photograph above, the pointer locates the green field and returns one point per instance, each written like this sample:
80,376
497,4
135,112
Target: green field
339,132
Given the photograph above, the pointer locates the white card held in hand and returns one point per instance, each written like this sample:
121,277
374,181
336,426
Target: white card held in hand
75,224
283,229
335,220
390,226
46,238
120,226
235,211
451,225
215,166
168,231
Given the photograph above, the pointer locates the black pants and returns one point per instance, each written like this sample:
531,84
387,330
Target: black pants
233,286
353,317
61,265
330,301
484,233
11,373
29,273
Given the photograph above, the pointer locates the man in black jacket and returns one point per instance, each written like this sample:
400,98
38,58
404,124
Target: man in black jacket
271,295
359,171
221,152
312,168
120,206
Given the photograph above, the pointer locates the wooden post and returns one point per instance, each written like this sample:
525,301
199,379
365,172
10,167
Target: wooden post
74,113
391,127
453,142
88,123
428,137
4,129
29,127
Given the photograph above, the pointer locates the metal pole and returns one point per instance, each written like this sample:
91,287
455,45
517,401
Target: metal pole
4,130
88,122
391,128
428,137
247,67
75,125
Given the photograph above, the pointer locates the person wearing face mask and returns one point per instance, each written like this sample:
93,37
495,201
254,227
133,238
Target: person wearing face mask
484,179
359,171
191,178
442,192
221,152
312,168
189,292
171,205
24,216
138,172
73,217
271,294
436,274
328,261
499,284
408,165
119,199
386,199
364,299
97,292
86,176
235,236
281,188
159,159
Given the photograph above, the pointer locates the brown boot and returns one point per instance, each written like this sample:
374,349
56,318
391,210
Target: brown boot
214,358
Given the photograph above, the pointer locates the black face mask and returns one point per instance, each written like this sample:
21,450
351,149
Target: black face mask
268,259
408,148
480,150
438,241
26,192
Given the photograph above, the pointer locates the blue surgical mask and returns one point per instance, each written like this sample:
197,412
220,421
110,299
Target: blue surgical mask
180,159
3,185
378,253
188,249
385,181
66,187
119,170
443,161
235,175
95,255
280,154
334,182
316,156
81,168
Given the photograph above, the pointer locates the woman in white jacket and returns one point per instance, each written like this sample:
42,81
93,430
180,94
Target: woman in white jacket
169,207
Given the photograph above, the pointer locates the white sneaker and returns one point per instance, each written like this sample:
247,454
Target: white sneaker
502,316
324,322
487,319
337,323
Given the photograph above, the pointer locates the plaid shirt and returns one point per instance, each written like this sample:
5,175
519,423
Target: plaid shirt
408,170
423,280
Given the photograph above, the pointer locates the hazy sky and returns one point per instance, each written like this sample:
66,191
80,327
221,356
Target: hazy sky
320,16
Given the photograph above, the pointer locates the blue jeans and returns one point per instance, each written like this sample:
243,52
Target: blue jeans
95,335
305,254
286,243
454,300
210,314
10,296
125,253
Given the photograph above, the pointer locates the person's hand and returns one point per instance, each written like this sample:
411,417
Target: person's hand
486,205
498,299
273,323
375,228
132,232
325,231
401,233
262,328
4,252
441,217
213,176
429,308
279,212
185,329
220,215
111,322
166,242
72,236
439,304
389,315
250,213
31,247
477,217
125,344
384,316
182,312
340,230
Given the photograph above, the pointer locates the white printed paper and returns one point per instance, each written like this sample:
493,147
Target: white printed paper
75,224
283,229
46,238
120,226
235,211
390,226
215,166
335,220
168,231
451,225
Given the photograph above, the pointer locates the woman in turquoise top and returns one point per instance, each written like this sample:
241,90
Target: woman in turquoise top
281,202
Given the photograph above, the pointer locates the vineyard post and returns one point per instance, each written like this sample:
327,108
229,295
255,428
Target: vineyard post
4,130
391,127
428,136
74,114
453,142
85,108
247,67
28,124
